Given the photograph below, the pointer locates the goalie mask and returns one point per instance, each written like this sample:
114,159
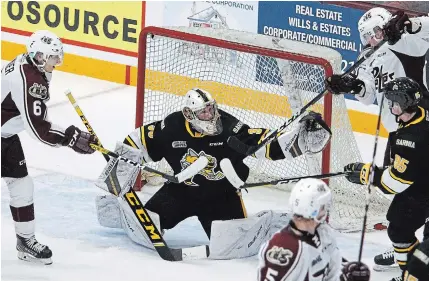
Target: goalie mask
311,199
201,111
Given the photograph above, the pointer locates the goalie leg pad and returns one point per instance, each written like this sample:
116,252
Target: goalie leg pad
133,228
232,239
114,212
108,211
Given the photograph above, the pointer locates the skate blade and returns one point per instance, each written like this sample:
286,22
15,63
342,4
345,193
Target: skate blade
27,257
384,268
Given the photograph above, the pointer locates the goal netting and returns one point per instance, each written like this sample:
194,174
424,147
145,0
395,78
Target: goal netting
262,81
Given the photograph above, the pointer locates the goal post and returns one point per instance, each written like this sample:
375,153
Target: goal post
261,80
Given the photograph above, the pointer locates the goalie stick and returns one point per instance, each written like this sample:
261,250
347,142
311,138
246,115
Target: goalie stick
187,173
229,172
248,150
143,217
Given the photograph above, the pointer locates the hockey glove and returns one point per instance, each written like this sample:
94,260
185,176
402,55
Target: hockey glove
397,25
355,271
359,173
315,134
343,84
79,141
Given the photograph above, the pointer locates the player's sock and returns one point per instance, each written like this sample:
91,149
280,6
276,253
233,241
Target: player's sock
402,250
29,249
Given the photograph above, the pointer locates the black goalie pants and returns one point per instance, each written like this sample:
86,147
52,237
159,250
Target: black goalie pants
174,203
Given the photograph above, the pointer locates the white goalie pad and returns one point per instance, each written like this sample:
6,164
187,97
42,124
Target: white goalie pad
241,238
119,176
114,212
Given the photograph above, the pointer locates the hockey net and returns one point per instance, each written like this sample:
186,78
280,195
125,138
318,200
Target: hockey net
261,80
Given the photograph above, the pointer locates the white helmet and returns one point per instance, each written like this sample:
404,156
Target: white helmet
46,47
372,21
309,197
201,111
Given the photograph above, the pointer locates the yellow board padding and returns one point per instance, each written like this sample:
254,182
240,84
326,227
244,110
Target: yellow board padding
160,81
224,94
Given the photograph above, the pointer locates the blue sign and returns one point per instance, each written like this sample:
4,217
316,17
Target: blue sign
311,22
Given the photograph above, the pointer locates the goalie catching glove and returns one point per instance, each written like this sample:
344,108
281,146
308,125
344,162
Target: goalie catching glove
314,133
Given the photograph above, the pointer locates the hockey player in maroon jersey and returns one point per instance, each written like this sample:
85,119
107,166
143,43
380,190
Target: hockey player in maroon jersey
306,249
24,92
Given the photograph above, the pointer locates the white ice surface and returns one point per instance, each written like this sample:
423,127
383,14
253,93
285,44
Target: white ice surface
65,208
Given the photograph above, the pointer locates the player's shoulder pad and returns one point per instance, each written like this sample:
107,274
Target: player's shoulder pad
173,120
37,85
284,248
231,123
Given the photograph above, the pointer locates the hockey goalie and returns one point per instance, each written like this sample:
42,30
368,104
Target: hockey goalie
201,129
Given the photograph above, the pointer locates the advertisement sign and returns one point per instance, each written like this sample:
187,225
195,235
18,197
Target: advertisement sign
109,26
213,14
312,22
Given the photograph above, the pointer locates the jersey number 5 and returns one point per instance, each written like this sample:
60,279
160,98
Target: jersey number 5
271,275
400,164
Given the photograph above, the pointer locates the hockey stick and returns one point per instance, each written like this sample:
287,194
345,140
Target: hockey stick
187,173
371,179
144,219
230,173
247,150
83,118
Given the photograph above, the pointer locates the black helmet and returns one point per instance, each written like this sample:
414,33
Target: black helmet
405,91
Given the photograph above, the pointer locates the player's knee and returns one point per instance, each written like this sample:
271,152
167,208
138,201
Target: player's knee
398,233
21,191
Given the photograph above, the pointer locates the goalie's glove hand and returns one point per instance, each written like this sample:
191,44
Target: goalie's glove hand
343,84
397,25
315,133
355,271
79,141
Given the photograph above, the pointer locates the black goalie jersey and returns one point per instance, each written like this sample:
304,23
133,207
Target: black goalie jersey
179,144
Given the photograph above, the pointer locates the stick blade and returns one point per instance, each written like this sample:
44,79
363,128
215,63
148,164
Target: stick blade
193,169
229,172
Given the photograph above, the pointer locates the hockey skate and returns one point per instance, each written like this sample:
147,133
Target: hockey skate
31,250
385,261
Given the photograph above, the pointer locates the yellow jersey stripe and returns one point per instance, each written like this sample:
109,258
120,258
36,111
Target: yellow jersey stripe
142,137
406,250
131,142
388,189
420,119
399,179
